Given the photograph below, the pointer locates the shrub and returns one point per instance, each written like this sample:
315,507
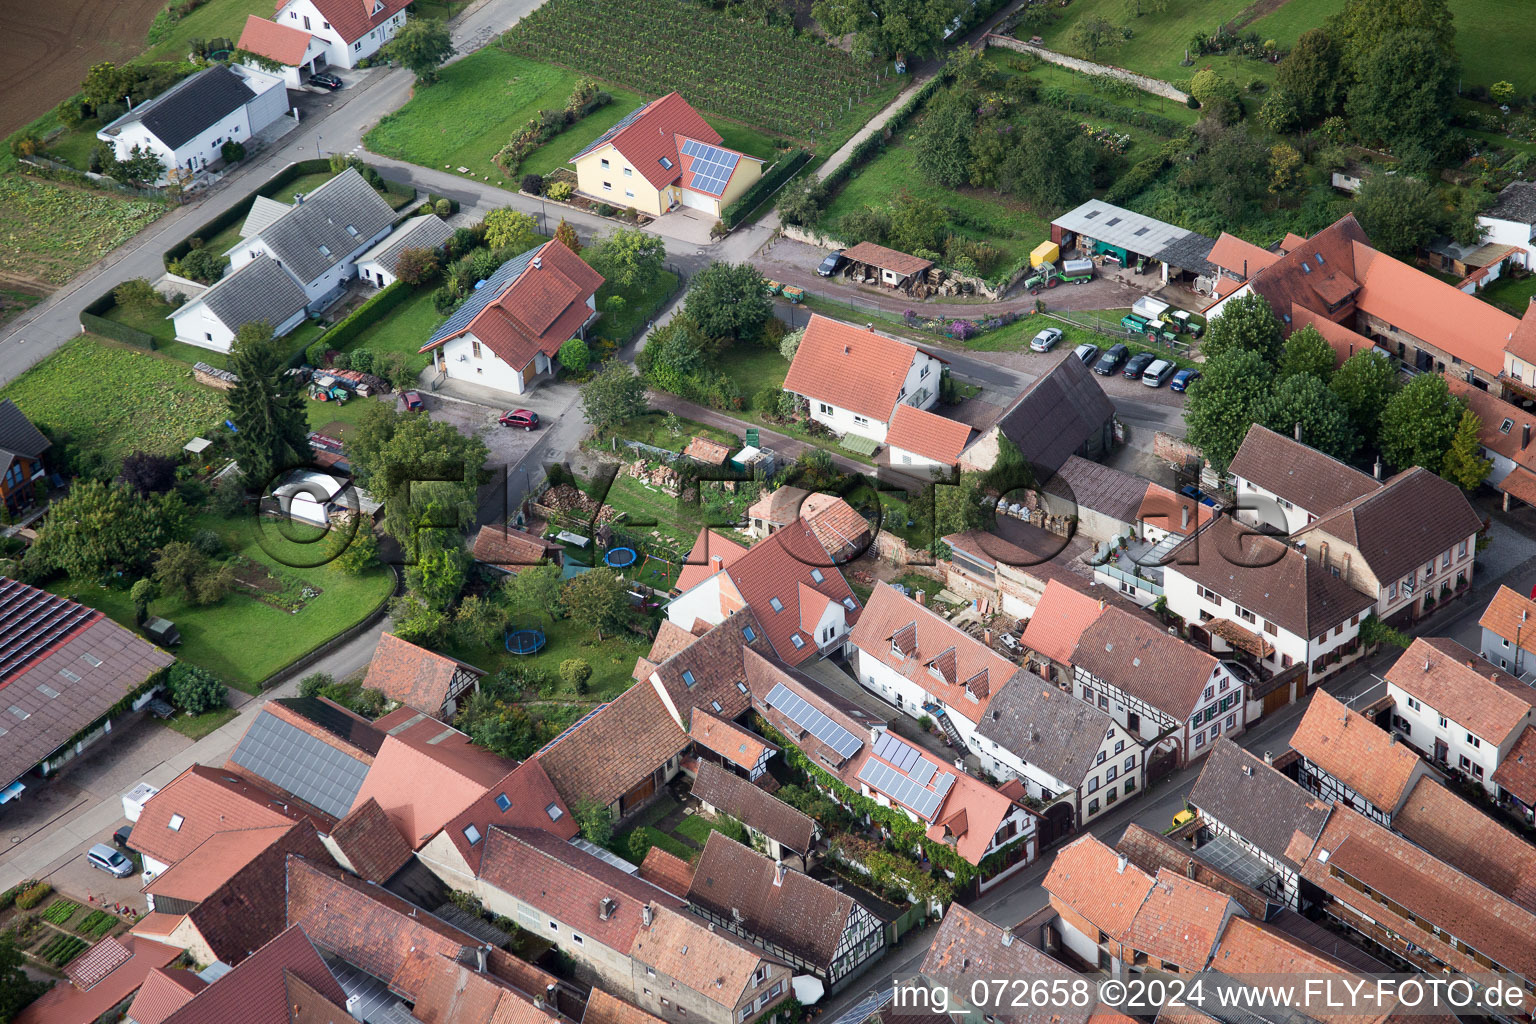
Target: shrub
33,895
576,672
533,184
207,542
312,684
443,208
137,293
195,690
574,355
560,191
369,702
200,265
232,152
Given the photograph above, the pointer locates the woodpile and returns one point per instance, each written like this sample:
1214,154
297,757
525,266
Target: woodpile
566,500
364,384
214,377
663,477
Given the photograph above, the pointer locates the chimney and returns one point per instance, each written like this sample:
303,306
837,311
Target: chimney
605,908
538,262
1120,864
986,637
1189,869
922,598
1376,469
1007,936
778,874
1298,430
870,328
1345,571
645,915
1391,738
1183,517
480,952
538,1002
1269,757
1525,429
1322,553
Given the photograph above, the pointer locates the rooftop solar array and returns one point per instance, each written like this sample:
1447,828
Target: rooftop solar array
905,790
309,768
903,755
813,721
31,622
711,167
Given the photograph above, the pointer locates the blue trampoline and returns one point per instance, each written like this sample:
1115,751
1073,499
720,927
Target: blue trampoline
525,641
620,558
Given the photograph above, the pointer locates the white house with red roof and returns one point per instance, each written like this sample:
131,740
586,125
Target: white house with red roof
509,329
349,30
854,379
661,156
297,54
925,443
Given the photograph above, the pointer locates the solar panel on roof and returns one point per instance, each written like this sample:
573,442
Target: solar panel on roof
845,743
308,767
922,771
890,747
1230,858
710,167
924,802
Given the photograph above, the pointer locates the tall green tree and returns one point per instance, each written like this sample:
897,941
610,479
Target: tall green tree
424,470
1246,324
885,28
1312,76
1364,384
16,988
1092,34
1464,464
629,258
1220,406
1228,169
421,44
613,395
1418,423
1362,24
506,228
1303,399
941,142
97,528
535,591
266,407
1399,213
1404,88
1307,351
1052,163
729,300
598,600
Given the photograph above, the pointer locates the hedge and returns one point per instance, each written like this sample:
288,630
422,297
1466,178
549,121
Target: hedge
238,212
1077,102
92,320
763,187
360,319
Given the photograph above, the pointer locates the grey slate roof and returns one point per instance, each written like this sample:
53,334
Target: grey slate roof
1102,489
17,434
260,290
1052,418
485,294
1258,803
1045,726
1189,252
191,106
1516,201
330,224
263,212
425,232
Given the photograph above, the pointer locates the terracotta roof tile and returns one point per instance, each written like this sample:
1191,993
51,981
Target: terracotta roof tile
780,506
707,673
1520,484
707,452
647,135
422,788
1060,617
201,802
1242,258
1140,658
413,675
850,367
1299,474
603,1008
968,948
67,1004
1512,616
531,802
1349,747
1517,771
887,259
740,746
1344,341
714,963
773,569
1180,921
1176,513
1460,834
614,748
1463,687
353,18
928,434
1502,426
157,925
710,553
512,549
371,842
215,861
733,795
97,962
259,990
940,647
453,993
1250,948
1323,263
1088,877
666,871
276,42
1523,344
836,524
1153,853
163,993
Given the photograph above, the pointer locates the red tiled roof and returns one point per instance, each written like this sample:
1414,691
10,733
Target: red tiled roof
731,794
1463,687
1176,513
1061,615
835,523
1344,341
711,552
215,861
737,745
97,962
1502,426
651,133
763,674
1089,877
1523,344
371,843
775,568
453,993
971,815
412,675
1517,772
1520,484
1136,655
1250,948
710,453
207,801
354,18
887,259
1180,921
260,989
511,549
1324,263
927,434
1242,258
851,367
163,993
949,663
157,925
666,870
614,748
603,1008
1348,746
420,790
712,962
529,795
67,1004
968,948
277,42
1460,834
539,311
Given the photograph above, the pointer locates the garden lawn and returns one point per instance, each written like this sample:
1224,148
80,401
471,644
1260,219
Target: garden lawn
403,329
213,19
1158,40
612,660
195,727
650,511
1513,294
697,827
753,368
651,428
654,837
50,232
114,399
640,306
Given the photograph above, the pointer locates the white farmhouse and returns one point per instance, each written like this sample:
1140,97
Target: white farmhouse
1283,485
351,30
187,125
925,444
854,379
512,325
260,290
1511,220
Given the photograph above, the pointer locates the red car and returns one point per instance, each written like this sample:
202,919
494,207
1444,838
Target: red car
525,418
412,400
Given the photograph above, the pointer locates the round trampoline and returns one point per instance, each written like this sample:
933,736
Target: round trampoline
525,641
620,558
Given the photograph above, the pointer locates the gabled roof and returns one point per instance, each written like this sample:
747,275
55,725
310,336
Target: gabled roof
413,675
836,524
1315,273
1517,771
733,795
887,259
425,774
1298,473
258,990
1177,513
371,843
164,992
328,720
1098,883
300,757
69,1004
1251,948
707,673
262,213
927,434
1241,258
738,745
1258,803
1414,518
275,41
1153,853
1046,726
1349,747
652,133
454,993
670,639
710,961
1344,341
428,231
968,948
533,303
946,661
766,675
1180,921
851,367
216,860
201,802
259,291
1268,577
354,18
603,1008
1053,416
710,553
190,107
511,549
1061,615
1453,829
1463,687
1522,344
773,570
17,434
531,802
1110,492
326,226
1136,655
783,907
666,871
1502,426
613,748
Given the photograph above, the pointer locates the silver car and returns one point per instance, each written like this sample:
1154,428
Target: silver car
1046,340
103,858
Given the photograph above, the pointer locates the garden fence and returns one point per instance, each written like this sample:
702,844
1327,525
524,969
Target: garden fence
1175,346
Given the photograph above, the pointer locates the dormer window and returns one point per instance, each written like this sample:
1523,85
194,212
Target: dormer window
378,5
472,834
502,803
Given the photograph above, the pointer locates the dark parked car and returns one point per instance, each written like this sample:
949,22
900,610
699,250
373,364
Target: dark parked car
832,264
1087,353
412,400
1183,379
325,80
525,418
123,836
1110,361
1137,363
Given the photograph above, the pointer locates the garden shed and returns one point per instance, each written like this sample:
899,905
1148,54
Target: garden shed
869,263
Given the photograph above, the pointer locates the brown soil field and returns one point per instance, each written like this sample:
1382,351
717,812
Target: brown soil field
47,47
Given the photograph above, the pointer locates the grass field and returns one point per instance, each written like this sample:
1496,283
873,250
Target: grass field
612,660
405,329
49,232
1513,294
1158,40
639,305
1053,75
195,727
215,18
465,118
211,635
115,399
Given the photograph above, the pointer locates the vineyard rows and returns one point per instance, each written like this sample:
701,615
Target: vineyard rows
768,78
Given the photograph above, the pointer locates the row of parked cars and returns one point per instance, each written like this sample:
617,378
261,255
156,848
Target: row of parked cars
1152,371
